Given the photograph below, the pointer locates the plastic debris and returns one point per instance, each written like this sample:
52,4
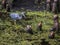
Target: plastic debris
15,16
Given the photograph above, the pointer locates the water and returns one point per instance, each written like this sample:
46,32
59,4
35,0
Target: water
30,5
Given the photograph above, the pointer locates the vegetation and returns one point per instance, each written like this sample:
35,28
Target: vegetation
15,35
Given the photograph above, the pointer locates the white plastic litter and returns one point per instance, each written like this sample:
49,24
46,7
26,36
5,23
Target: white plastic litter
15,16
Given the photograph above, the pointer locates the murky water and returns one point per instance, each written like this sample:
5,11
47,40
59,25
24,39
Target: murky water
30,5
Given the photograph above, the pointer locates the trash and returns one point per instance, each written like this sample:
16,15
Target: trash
23,14
15,16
